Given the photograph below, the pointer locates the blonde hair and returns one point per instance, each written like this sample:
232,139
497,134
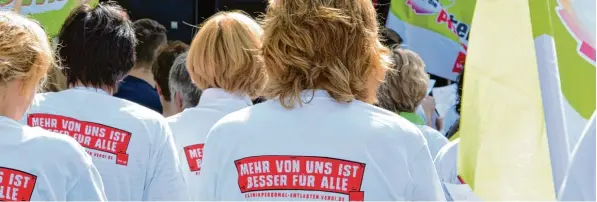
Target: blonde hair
25,51
321,44
225,54
404,88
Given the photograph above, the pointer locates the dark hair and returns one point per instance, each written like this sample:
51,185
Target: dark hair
163,64
151,36
180,82
456,127
259,100
459,91
97,45
390,37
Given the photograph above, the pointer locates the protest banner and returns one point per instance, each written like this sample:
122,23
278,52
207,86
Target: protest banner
437,30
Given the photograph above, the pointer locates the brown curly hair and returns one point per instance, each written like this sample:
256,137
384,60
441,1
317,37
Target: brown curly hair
406,86
321,44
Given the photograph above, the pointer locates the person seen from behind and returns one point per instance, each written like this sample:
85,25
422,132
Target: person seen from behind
139,86
131,145
223,62
161,73
184,94
404,89
35,165
324,138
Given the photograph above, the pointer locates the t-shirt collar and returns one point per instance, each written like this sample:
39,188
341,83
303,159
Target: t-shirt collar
213,95
314,93
310,94
413,118
90,89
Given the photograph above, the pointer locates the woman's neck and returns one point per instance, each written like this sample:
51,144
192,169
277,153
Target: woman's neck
13,100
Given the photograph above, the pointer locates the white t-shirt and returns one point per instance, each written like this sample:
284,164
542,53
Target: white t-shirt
37,165
446,163
191,126
131,146
435,140
324,150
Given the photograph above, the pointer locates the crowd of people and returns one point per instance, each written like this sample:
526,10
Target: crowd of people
309,104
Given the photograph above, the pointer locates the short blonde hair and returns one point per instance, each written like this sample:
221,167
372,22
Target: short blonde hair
406,86
25,51
321,44
225,54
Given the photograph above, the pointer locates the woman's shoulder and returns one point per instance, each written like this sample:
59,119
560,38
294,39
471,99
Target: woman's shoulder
53,146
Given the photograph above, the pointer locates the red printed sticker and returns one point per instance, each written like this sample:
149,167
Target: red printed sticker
16,185
194,155
306,173
90,135
459,63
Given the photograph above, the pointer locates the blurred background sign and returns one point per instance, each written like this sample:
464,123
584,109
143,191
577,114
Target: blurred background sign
50,13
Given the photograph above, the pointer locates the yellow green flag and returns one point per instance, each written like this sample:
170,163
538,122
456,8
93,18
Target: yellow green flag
503,150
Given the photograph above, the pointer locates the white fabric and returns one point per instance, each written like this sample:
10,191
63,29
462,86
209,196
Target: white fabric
449,120
447,170
579,184
191,126
131,146
38,165
446,163
435,140
322,150
421,112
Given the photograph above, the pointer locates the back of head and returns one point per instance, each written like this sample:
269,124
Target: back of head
321,44
151,35
97,45
406,86
25,52
225,54
180,82
161,68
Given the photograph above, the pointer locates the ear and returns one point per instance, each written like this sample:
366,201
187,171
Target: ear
159,90
178,101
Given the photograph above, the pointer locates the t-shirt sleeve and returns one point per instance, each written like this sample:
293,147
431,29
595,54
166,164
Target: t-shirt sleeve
89,186
427,186
436,141
165,181
445,164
